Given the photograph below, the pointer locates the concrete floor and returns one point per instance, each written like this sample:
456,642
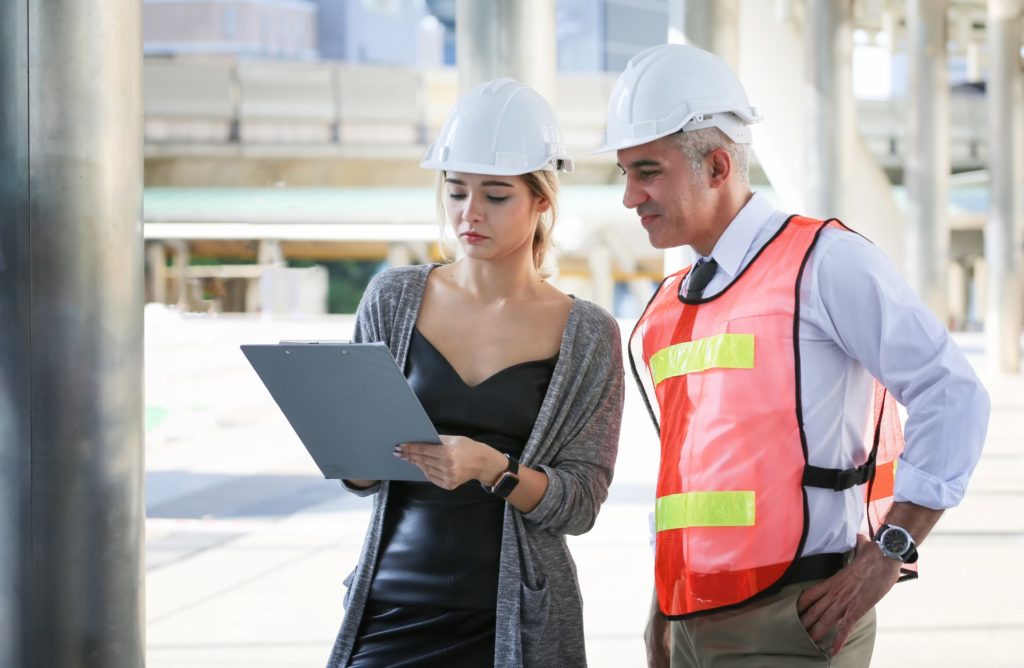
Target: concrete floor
247,545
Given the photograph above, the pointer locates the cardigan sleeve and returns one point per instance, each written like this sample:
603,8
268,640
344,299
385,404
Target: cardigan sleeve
581,470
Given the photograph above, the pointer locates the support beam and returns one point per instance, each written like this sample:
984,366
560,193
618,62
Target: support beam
71,287
828,104
506,38
926,173
712,25
1004,256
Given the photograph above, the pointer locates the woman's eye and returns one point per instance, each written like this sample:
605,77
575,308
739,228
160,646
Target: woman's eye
497,199
457,196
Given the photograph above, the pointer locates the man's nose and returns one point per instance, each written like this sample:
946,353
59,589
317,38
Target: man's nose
633,196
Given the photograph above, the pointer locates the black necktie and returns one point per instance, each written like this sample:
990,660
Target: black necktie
700,277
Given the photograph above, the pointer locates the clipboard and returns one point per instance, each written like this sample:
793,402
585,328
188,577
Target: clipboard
348,403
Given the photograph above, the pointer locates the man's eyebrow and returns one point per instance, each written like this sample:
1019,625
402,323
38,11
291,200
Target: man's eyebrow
643,162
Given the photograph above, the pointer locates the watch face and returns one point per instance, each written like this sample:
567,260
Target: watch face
895,540
506,483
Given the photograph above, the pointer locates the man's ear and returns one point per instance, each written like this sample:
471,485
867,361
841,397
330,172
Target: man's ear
719,167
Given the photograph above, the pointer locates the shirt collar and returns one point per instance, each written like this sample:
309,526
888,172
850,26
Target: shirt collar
738,237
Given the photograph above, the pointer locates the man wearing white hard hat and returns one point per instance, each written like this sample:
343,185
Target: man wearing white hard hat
524,385
771,369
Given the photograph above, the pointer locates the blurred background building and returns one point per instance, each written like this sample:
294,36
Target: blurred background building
282,134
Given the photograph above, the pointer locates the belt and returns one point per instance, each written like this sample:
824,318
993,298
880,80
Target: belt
814,567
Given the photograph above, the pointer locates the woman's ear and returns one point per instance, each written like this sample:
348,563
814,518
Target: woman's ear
543,204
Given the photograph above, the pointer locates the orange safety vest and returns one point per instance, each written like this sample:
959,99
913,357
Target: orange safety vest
731,510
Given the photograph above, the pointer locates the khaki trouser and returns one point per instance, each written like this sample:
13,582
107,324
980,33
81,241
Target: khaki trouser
765,633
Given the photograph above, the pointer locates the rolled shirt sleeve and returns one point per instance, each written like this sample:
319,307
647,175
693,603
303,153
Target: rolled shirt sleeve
876,318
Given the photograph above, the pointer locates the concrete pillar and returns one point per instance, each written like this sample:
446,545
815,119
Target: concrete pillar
156,257
71,286
712,25
181,262
602,277
979,291
506,38
399,255
957,294
829,105
927,163
1003,239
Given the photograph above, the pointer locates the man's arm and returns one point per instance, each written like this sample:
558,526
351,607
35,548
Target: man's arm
840,601
875,318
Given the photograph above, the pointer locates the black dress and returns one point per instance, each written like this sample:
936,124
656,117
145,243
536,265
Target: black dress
435,585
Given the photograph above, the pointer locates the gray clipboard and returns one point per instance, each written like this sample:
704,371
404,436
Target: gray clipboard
348,403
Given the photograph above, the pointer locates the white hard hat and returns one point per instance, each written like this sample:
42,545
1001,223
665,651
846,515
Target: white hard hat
675,87
500,128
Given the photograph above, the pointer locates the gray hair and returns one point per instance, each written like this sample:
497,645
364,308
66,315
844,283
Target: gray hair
696,144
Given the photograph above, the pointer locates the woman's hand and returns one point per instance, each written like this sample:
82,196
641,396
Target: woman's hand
457,460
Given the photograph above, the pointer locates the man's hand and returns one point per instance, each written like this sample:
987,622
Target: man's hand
657,638
840,601
457,460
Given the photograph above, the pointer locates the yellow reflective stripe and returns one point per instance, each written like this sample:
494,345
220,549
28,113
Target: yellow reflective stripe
724,351
704,509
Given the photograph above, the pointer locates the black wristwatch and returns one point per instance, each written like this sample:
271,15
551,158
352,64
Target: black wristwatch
508,480
896,543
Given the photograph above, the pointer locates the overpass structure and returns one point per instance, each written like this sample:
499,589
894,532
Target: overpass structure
320,159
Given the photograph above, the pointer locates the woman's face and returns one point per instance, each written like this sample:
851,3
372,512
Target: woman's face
493,216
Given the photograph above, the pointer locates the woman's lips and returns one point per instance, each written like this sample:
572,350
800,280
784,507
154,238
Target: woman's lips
473,237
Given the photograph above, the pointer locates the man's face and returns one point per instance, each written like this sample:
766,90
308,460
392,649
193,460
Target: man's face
674,204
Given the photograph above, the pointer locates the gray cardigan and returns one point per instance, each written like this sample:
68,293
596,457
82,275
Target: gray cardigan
574,441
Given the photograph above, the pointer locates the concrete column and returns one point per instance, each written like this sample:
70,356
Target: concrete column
1003,239
712,25
181,263
979,289
506,38
828,104
71,286
957,296
399,255
927,165
156,256
602,278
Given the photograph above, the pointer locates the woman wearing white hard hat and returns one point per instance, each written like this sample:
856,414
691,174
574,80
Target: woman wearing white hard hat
525,385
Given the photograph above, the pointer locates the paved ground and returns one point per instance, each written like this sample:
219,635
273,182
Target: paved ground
247,545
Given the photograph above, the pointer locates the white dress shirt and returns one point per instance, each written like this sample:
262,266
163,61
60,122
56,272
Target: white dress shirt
859,319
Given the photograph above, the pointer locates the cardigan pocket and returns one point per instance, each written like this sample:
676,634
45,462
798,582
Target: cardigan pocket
534,612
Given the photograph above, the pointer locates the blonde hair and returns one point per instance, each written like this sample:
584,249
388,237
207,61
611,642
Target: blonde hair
543,184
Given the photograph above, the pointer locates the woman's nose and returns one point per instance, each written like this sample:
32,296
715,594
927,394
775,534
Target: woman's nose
473,209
